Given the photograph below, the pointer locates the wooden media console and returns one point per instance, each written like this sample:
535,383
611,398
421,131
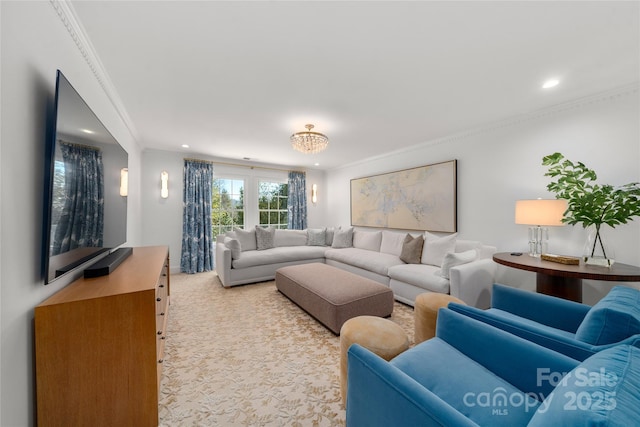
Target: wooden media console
99,344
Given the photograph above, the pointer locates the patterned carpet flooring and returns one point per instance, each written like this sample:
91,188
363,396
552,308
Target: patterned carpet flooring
248,356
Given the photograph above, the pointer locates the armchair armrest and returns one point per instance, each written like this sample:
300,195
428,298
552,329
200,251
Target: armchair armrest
545,309
570,347
379,394
510,357
472,282
223,263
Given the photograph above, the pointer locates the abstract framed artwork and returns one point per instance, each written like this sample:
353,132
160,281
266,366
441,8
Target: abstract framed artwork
421,198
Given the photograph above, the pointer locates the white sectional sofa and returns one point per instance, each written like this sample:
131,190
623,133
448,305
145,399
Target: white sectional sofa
445,264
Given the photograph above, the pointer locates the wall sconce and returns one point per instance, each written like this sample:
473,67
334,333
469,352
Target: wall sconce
164,184
124,182
314,193
538,213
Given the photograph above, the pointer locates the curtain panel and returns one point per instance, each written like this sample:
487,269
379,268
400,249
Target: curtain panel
297,201
81,223
197,239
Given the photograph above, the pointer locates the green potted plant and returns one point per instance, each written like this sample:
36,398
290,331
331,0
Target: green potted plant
591,204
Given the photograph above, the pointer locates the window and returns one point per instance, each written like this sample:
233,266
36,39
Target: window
227,205
272,204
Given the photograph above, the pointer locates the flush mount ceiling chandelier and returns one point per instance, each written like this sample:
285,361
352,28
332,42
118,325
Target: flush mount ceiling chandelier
309,142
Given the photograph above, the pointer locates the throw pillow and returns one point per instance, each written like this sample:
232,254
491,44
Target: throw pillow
265,237
435,248
614,318
343,238
412,249
316,236
234,246
329,236
246,238
457,258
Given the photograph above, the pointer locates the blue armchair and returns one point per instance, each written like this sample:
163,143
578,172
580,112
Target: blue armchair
472,374
570,328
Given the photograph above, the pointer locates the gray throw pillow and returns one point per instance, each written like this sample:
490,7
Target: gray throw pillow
329,236
265,237
343,238
316,236
412,249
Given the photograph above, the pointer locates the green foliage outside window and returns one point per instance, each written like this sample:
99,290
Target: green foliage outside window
227,205
272,204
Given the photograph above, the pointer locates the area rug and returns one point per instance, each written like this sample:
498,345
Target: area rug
248,356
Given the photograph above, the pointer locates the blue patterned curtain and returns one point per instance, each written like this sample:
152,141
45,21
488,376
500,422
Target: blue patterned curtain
197,240
81,221
297,201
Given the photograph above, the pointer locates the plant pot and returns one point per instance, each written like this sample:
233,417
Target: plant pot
596,249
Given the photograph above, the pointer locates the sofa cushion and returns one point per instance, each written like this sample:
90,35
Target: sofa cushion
392,242
247,239
278,255
343,238
290,238
376,262
614,318
421,275
435,248
601,391
452,259
412,249
265,238
316,236
369,240
466,385
234,247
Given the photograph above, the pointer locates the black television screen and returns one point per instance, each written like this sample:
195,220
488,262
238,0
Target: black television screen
85,213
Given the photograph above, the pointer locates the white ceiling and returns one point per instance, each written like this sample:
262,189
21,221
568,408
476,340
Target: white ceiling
235,79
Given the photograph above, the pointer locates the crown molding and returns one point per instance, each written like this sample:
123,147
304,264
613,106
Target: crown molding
70,20
555,110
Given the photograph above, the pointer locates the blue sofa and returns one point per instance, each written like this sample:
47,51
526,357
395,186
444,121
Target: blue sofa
472,374
568,327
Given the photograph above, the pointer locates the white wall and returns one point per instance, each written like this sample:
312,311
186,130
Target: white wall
498,166
162,218
35,43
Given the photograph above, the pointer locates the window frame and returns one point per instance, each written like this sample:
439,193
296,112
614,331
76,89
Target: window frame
275,215
218,228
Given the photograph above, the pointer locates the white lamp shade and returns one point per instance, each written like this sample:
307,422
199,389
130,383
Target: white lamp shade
546,212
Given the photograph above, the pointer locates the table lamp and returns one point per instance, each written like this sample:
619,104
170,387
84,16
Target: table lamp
539,214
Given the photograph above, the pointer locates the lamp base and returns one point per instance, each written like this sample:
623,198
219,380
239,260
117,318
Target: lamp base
538,241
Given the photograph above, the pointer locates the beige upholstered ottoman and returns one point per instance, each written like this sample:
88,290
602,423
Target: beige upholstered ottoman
381,336
333,296
426,314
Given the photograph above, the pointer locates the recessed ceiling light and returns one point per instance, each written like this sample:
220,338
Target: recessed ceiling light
185,145
550,83
87,131
316,164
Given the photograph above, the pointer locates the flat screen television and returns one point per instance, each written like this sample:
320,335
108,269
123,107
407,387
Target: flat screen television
85,214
